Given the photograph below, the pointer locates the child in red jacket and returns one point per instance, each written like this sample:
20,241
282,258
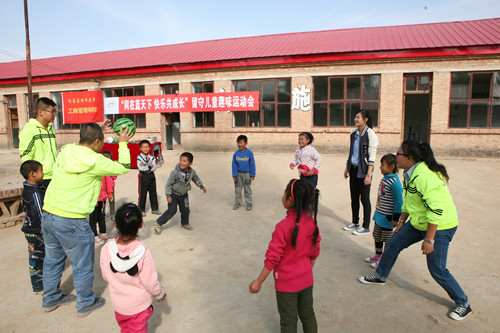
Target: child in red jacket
292,253
98,216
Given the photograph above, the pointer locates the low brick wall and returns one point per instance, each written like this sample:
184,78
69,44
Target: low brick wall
11,207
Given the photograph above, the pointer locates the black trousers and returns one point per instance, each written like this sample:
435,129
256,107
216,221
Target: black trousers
359,191
183,202
147,183
313,180
98,216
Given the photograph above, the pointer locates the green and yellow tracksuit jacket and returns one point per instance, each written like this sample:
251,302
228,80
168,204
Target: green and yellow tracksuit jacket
428,200
76,184
39,144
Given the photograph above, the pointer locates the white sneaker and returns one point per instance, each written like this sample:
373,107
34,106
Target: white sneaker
361,231
351,226
98,240
374,265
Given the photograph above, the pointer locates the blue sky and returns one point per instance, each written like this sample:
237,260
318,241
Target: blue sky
68,27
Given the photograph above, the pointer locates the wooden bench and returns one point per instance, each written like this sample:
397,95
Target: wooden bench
11,207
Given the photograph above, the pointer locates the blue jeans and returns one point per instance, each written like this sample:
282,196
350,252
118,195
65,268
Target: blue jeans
72,238
436,261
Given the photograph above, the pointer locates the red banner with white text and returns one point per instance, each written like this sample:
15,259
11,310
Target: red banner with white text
206,102
83,107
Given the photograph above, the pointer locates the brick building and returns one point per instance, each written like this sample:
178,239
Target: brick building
438,82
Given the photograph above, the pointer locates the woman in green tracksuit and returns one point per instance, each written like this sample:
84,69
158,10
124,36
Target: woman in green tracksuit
433,221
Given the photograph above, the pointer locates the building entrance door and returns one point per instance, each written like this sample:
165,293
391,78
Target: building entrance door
12,122
417,107
172,130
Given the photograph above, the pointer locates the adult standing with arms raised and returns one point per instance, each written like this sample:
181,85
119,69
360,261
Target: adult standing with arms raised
72,195
433,221
37,140
359,170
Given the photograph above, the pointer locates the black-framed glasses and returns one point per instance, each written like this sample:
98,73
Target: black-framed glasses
402,154
51,111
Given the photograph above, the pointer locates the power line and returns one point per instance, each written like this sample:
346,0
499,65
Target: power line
36,61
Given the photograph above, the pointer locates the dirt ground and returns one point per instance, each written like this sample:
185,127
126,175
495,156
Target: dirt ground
207,271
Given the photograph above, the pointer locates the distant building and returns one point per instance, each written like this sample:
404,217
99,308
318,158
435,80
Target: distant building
438,82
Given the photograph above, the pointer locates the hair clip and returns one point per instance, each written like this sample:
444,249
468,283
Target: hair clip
128,213
292,189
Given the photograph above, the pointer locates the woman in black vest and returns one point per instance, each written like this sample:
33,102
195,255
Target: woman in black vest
359,168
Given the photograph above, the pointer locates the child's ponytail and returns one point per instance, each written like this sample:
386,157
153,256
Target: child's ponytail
302,194
315,212
298,207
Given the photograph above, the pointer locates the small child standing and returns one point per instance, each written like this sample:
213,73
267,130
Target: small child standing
33,194
128,266
112,210
98,216
388,208
146,164
178,185
307,158
292,253
243,168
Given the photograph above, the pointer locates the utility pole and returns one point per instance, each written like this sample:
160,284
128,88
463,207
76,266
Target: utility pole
31,111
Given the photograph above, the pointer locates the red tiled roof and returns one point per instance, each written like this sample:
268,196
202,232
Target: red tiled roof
435,39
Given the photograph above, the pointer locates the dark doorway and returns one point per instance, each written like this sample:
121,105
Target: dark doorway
417,110
172,130
13,121
417,117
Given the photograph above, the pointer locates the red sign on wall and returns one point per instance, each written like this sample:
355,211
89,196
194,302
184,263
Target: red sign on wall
82,107
223,101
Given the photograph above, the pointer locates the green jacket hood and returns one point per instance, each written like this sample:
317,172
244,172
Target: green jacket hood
77,159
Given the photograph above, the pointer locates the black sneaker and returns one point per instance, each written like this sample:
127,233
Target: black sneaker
84,312
460,312
64,300
371,279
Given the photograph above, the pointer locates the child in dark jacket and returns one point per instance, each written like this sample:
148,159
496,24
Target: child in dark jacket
33,194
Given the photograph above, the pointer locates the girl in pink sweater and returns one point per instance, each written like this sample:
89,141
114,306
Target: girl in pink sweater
128,266
292,253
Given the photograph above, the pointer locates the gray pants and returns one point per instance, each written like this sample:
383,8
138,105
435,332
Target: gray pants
243,181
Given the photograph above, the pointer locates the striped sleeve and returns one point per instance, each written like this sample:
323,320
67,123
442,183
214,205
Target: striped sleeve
38,202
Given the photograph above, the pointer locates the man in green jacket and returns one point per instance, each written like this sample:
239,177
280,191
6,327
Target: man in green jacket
73,194
37,140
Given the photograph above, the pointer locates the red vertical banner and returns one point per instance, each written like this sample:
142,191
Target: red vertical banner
83,107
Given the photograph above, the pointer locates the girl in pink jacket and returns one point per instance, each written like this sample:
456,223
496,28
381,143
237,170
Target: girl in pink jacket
291,254
128,266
